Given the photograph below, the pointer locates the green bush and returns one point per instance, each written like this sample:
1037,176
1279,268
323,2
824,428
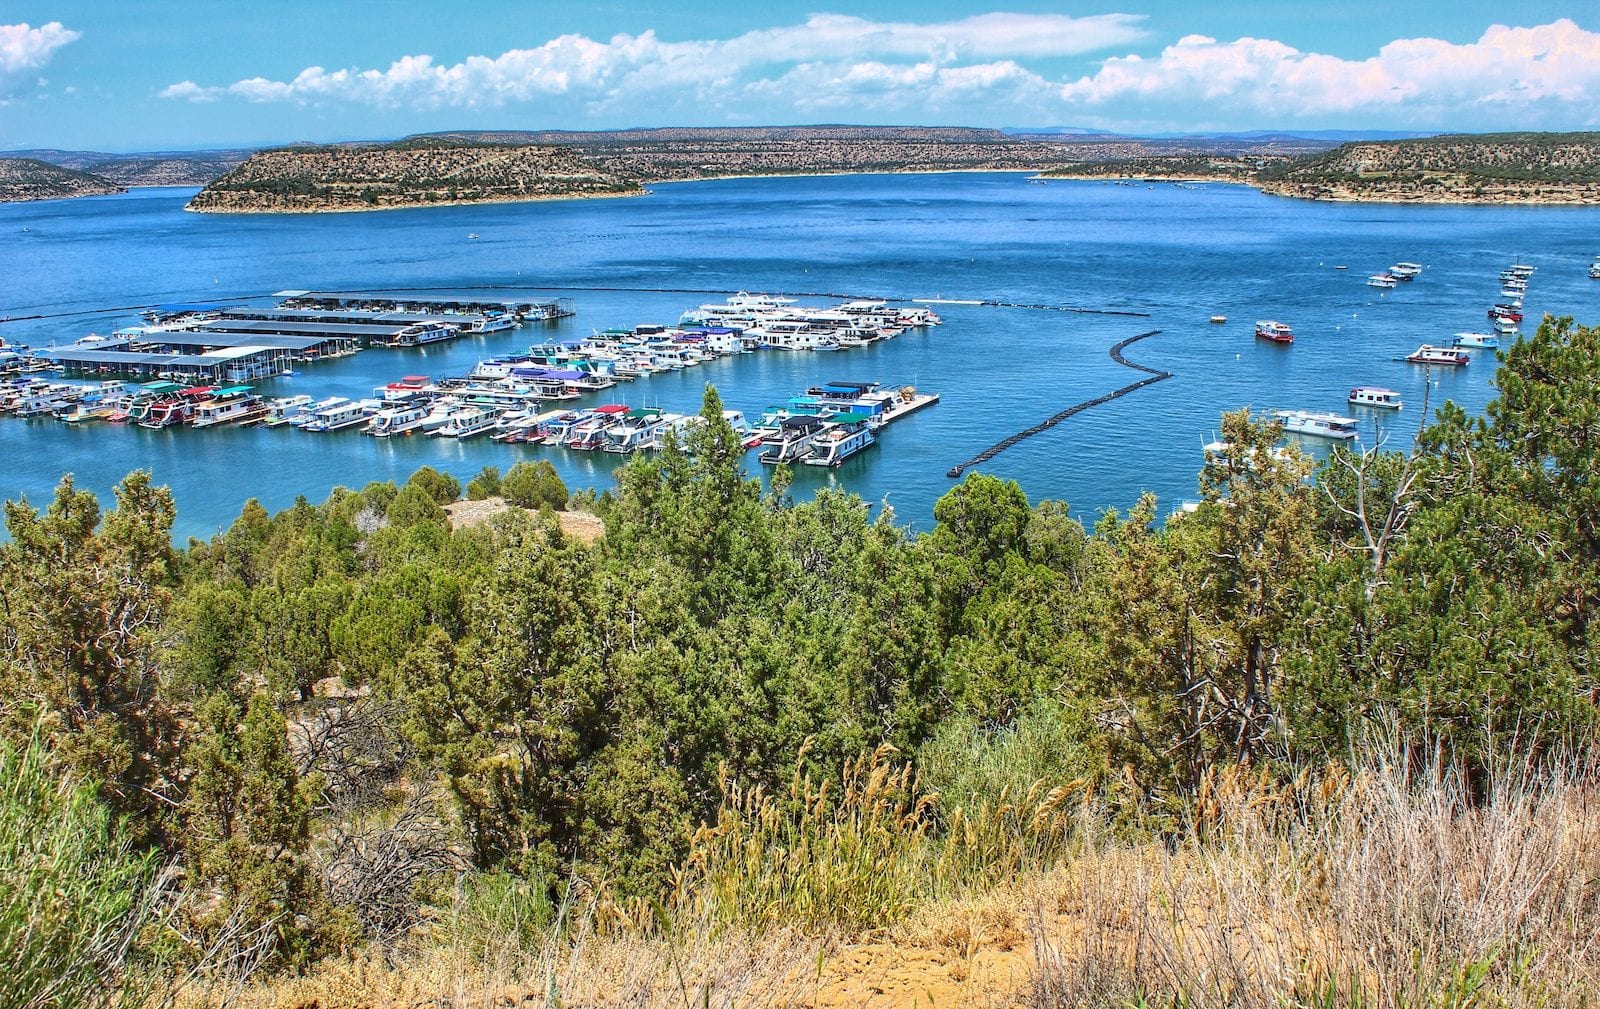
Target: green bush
534,485
486,484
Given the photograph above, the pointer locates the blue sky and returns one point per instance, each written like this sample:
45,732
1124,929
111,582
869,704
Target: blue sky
122,76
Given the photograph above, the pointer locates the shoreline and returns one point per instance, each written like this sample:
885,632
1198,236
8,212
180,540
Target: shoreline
543,198
1383,198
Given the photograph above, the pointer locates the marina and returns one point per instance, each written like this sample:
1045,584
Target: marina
999,369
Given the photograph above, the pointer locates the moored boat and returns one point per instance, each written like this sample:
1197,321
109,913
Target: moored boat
1375,396
1429,354
1382,280
392,421
235,404
845,435
1476,341
1277,332
1405,271
1321,425
792,440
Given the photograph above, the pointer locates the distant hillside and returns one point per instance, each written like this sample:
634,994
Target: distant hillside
27,179
155,168
1200,167
661,155
1482,168
430,172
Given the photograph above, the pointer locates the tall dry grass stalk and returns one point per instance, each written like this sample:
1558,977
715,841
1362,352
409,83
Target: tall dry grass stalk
862,852
1400,883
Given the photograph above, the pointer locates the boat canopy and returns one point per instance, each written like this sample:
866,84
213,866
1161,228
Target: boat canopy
850,418
233,390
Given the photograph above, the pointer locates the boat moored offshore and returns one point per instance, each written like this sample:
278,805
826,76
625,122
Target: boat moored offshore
1476,341
1277,332
1429,354
1375,396
1321,425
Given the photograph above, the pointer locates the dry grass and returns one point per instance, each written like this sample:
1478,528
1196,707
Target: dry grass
1396,884
1387,887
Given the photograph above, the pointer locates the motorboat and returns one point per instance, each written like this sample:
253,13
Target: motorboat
1382,280
1376,397
1476,341
1277,332
1405,271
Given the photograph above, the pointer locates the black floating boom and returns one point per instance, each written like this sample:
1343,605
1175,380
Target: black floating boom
1155,375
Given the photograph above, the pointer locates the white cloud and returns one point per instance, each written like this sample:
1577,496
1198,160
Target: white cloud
1549,72
24,48
627,71
190,91
985,67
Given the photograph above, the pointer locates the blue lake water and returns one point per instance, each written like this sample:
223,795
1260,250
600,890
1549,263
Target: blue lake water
1180,255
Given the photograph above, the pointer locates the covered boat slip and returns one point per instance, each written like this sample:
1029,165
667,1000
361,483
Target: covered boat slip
319,315
352,334
453,303
227,364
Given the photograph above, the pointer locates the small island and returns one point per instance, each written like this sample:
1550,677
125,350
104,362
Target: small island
411,173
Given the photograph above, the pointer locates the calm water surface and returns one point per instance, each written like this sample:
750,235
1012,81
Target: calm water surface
1180,255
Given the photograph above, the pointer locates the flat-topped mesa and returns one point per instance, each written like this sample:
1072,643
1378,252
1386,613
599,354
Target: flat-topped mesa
1557,168
411,173
27,179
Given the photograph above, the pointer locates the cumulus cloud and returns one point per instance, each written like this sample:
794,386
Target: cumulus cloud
24,48
960,56
1519,74
190,91
991,65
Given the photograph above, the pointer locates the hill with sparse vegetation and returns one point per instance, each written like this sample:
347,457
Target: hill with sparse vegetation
27,179
1480,168
405,174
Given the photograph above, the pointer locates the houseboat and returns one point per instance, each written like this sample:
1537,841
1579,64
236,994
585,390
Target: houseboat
1476,341
791,442
400,419
846,434
1375,396
235,404
336,416
285,411
1429,354
1321,425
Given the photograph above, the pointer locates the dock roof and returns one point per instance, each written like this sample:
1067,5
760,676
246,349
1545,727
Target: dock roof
224,339
328,330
